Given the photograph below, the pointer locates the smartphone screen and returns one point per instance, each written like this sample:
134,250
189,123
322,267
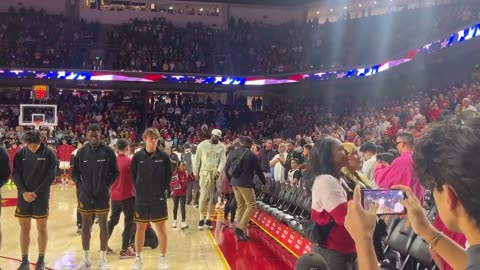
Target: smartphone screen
386,201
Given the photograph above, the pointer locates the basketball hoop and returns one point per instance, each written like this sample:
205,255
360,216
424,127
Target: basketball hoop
37,124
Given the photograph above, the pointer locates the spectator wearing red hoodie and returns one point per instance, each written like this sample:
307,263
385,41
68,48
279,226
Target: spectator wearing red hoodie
179,193
123,199
64,153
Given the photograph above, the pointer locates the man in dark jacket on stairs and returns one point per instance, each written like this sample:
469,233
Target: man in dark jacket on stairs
243,185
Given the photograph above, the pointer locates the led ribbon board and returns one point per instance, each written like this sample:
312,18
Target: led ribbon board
121,76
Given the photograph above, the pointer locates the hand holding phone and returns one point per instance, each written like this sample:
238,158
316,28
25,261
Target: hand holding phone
386,201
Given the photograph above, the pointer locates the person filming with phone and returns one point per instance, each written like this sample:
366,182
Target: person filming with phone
446,161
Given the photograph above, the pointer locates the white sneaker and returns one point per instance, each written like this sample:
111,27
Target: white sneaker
84,266
184,225
103,265
137,265
174,224
163,263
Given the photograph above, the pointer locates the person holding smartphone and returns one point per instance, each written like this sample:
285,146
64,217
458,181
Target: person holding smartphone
447,161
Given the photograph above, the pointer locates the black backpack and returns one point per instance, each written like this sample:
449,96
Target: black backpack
235,169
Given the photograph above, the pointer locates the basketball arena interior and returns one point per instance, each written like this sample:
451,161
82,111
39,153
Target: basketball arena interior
292,134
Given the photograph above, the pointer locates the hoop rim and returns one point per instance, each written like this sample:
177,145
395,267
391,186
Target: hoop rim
38,123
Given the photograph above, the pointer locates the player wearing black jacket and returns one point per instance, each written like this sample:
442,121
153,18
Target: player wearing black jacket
34,170
4,174
151,174
94,170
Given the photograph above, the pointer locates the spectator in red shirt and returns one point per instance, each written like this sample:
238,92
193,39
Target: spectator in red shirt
179,192
64,153
442,102
392,131
123,199
12,150
133,135
434,112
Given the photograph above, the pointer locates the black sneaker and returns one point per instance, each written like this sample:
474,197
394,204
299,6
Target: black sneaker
24,266
208,225
241,236
40,266
200,225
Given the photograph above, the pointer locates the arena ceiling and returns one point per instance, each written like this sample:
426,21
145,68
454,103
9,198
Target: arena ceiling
258,2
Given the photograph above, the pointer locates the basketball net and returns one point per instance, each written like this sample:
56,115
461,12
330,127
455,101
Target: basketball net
38,123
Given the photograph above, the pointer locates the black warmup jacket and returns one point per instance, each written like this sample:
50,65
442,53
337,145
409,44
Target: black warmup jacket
151,175
250,166
4,166
35,172
94,171
265,157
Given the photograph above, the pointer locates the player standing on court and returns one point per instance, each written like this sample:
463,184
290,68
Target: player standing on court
94,171
34,170
209,162
151,173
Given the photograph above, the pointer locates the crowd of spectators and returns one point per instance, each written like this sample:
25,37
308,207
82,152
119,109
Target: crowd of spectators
118,119
30,38
389,35
183,119
159,45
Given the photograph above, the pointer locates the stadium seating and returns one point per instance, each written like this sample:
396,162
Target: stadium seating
288,205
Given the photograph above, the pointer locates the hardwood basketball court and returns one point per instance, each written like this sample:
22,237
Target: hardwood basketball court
187,249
